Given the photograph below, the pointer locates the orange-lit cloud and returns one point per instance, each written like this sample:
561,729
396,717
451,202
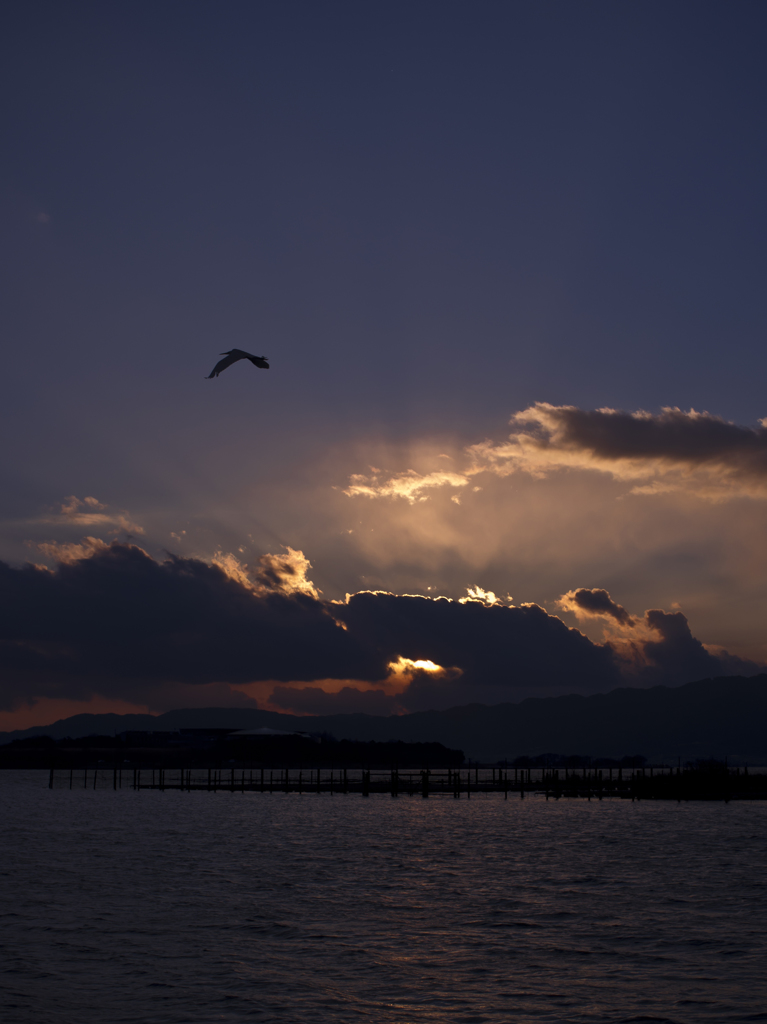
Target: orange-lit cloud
595,603
282,573
234,568
650,644
89,512
410,485
286,573
406,666
67,554
484,596
671,450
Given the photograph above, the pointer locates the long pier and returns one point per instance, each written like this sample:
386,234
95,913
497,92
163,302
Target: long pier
648,782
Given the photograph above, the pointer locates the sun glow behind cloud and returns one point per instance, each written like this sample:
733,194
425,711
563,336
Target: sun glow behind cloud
284,648
406,666
566,511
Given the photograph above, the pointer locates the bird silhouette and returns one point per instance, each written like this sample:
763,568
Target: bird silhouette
232,356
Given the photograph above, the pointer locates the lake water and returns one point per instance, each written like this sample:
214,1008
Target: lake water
194,908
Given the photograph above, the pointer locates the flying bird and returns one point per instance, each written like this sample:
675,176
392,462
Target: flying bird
232,356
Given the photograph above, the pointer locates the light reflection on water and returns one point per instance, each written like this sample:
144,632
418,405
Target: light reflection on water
198,907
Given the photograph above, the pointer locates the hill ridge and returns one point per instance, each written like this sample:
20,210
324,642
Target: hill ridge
718,717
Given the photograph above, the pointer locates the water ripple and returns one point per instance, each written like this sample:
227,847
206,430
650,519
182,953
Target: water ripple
195,908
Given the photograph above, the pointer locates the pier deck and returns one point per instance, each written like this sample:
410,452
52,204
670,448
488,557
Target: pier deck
648,782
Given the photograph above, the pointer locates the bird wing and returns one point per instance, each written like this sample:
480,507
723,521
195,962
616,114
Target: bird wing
222,364
259,361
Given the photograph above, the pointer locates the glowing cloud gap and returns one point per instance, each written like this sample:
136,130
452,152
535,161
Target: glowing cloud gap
484,597
405,665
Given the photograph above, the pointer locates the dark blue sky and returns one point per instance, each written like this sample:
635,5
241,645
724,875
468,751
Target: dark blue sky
428,215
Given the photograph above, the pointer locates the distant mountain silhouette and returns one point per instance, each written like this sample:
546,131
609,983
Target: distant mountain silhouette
722,717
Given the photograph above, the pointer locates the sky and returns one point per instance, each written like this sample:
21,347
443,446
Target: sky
506,261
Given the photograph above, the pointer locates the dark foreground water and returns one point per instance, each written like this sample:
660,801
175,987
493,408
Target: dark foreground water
198,907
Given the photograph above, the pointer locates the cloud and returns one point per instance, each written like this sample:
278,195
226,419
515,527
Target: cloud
656,648
669,450
662,649
594,603
71,505
89,512
485,596
286,574
497,649
115,622
118,621
409,485
275,574
67,554
672,450
234,568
